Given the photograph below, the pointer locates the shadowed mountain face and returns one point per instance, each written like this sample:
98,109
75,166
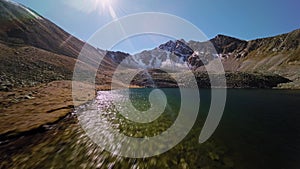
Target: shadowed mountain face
34,50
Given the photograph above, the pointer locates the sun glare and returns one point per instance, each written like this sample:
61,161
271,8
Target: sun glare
104,3
106,6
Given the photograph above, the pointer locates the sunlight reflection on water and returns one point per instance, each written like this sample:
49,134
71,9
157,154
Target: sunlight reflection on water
252,134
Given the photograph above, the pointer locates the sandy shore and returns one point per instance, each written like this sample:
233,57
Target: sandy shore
28,109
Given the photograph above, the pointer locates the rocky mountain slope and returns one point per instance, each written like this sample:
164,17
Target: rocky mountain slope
278,55
33,50
37,61
22,26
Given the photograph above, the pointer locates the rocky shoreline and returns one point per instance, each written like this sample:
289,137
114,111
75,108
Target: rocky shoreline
28,109
233,80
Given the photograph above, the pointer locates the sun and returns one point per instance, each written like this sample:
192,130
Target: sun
106,6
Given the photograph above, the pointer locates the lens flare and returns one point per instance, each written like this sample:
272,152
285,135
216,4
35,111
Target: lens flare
103,7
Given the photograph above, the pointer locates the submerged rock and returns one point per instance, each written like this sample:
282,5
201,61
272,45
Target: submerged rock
214,156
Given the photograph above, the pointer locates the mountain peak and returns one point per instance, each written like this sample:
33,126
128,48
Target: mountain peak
225,37
227,44
222,35
178,47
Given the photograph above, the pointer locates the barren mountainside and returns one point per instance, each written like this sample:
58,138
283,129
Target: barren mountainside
34,50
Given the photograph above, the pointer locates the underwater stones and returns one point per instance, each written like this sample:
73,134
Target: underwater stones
183,164
214,156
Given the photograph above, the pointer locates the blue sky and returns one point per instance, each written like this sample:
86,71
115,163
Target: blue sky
242,19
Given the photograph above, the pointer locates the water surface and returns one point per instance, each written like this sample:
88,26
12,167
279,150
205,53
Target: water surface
259,129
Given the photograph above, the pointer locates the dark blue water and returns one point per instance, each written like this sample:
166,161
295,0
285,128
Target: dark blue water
262,128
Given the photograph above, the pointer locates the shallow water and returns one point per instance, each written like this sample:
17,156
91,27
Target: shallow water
259,129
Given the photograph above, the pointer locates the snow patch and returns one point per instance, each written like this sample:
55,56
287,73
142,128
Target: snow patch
169,64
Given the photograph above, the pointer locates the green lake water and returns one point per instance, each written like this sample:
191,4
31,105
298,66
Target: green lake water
259,129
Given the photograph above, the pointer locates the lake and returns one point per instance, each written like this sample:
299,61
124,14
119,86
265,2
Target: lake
259,129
